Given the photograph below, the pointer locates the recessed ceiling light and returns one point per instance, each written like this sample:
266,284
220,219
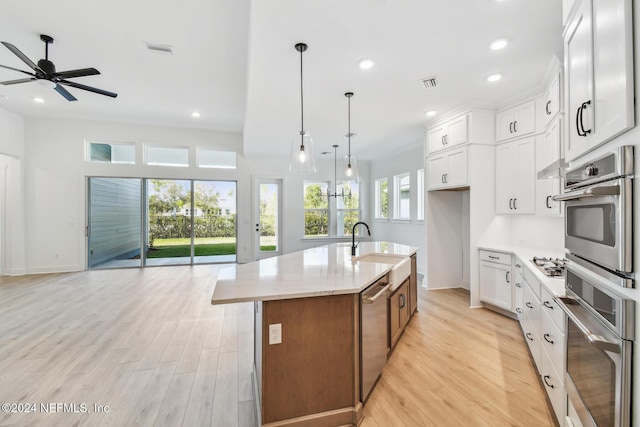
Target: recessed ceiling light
365,64
431,113
499,44
195,114
494,77
38,100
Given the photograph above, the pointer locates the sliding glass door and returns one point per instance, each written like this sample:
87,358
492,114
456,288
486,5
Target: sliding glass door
184,222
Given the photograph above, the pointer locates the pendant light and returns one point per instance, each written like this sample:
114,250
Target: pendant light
350,164
335,179
302,157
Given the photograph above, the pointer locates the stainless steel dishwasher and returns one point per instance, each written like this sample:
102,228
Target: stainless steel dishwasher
374,344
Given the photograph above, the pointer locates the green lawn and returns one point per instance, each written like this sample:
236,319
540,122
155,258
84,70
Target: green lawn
172,248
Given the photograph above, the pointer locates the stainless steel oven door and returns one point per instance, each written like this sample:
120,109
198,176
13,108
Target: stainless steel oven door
598,223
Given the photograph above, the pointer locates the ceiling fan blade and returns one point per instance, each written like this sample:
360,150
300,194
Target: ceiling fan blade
16,69
89,88
62,91
22,56
77,73
15,82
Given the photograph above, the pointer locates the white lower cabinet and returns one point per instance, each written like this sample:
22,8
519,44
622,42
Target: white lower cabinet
543,326
496,279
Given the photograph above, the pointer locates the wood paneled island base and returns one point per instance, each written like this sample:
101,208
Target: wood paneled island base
312,377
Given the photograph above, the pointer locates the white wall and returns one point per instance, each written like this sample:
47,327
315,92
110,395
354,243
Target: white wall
56,173
406,232
12,225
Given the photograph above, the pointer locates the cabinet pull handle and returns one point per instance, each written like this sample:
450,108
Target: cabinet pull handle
528,304
582,108
494,257
514,127
518,285
518,310
547,202
510,127
547,304
546,108
518,265
514,204
529,337
578,120
445,178
545,381
506,276
546,338
403,300
442,178
510,204
442,139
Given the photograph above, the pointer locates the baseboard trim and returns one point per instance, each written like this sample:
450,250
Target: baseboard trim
56,269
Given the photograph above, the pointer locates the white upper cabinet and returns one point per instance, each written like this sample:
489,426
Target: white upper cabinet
598,74
516,121
448,134
515,177
447,169
552,99
548,151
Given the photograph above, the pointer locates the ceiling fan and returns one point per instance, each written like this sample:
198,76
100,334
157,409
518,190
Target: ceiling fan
45,70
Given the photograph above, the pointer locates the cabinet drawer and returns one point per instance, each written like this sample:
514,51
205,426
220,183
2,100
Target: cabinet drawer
531,302
549,306
553,343
499,257
553,386
533,341
533,282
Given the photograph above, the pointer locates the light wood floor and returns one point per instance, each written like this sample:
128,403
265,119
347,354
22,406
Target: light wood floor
148,344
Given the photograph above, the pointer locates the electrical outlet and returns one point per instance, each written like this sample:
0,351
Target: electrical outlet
275,333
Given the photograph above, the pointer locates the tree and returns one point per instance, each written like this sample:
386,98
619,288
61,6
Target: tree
207,198
168,195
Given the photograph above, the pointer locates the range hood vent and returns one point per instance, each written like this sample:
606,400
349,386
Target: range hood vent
554,170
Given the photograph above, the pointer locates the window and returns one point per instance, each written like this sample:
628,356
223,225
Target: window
122,153
210,158
420,190
167,156
348,207
316,209
382,199
401,196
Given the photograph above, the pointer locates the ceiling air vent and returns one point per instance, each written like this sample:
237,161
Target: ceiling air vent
159,48
430,83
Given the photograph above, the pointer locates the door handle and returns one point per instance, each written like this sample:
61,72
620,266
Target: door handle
546,338
510,127
545,381
546,108
403,300
506,276
518,310
446,140
578,120
582,108
445,177
547,202
529,336
510,203
442,139
514,204
548,305
442,178
514,126
528,304
518,285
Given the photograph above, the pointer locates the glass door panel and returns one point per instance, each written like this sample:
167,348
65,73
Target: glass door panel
169,216
214,221
268,223
115,218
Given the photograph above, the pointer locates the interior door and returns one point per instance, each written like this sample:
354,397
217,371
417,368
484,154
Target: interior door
267,217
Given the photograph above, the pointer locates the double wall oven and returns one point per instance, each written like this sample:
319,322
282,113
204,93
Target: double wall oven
600,318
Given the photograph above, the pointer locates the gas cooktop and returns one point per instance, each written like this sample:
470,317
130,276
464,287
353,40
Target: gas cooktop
551,267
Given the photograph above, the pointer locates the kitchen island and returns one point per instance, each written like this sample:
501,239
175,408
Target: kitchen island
313,375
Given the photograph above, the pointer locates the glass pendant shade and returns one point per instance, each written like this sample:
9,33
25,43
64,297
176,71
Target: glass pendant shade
302,158
350,169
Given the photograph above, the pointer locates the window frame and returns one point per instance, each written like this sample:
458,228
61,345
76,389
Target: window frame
397,199
378,213
325,185
345,210
420,194
88,152
166,147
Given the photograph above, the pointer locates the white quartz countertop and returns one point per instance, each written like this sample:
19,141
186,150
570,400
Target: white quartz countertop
553,284
325,270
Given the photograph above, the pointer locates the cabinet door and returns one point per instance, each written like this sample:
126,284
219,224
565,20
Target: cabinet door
525,177
495,285
456,172
518,296
552,99
613,109
532,312
524,120
553,385
504,178
548,151
578,77
398,312
436,167
456,131
435,138
504,125
413,285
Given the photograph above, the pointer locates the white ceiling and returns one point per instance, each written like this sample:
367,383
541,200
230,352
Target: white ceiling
234,61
